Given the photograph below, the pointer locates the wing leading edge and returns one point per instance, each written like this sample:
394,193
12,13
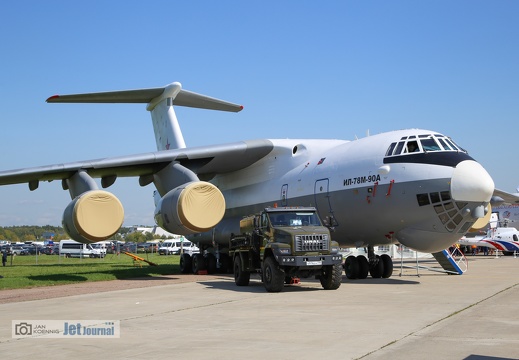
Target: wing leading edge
205,161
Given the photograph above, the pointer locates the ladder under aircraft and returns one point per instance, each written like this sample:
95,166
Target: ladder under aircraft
453,262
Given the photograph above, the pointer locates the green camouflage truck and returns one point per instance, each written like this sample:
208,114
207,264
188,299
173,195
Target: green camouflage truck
285,244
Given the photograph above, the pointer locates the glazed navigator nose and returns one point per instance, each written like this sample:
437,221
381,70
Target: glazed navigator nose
471,182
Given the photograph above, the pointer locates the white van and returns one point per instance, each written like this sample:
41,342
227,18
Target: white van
72,248
101,246
173,247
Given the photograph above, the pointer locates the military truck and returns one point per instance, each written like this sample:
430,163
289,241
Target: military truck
285,244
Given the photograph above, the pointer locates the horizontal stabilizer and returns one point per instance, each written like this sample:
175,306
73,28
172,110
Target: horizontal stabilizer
183,98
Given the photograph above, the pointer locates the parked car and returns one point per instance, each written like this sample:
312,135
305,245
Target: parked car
18,250
147,247
129,247
32,249
50,249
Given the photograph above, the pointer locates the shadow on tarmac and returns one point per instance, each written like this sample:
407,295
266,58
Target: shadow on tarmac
256,286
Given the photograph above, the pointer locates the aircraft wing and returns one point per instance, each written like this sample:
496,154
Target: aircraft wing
501,196
205,161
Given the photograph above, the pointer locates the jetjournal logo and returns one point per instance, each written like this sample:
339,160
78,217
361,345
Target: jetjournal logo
72,329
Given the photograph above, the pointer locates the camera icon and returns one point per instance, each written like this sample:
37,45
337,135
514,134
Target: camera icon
23,329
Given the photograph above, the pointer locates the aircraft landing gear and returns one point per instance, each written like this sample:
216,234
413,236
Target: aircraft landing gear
357,267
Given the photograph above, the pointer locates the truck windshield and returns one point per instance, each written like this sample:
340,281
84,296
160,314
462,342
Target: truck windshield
295,219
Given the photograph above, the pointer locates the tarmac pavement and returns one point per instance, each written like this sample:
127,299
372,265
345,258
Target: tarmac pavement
433,316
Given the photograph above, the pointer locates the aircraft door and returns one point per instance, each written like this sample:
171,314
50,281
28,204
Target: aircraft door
323,203
284,195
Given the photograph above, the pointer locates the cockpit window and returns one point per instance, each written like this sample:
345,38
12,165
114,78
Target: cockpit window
412,146
422,143
389,151
430,145
444,144
399,148
456,146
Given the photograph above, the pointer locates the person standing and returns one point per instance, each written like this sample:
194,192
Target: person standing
4,257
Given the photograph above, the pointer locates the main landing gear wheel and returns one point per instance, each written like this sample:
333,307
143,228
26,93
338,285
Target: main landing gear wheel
351,267
363,267
211,263
388,265
376,268
381,267
185,264
198,263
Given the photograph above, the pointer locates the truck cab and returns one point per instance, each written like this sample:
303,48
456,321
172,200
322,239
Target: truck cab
284,244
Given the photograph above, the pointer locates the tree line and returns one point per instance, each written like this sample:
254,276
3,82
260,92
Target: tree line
37,233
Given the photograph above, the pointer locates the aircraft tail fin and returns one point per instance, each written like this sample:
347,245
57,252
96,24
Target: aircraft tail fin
160,103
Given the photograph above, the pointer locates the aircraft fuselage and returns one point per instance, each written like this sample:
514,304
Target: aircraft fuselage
364,195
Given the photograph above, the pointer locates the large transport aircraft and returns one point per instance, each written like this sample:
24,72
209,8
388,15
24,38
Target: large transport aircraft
414,187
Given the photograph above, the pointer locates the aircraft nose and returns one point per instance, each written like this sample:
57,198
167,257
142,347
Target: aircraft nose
471,182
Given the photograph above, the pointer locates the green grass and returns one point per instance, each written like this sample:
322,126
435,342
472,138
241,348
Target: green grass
47,270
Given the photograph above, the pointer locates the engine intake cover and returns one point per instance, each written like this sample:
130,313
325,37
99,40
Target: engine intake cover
93,216
191,208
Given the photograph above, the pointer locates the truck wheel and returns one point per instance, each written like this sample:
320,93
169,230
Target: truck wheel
273,276
185,264
198,263
331,277
241,277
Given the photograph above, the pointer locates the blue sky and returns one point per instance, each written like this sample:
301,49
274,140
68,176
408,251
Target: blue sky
302,69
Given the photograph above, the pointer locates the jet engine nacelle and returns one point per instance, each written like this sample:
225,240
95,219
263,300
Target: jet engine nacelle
93,216
191,208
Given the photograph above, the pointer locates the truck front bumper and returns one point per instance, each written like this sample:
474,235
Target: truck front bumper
306,261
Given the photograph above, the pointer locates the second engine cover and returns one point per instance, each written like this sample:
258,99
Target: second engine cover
93,216
191,208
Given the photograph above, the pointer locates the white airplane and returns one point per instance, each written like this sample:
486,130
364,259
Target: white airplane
500,234
498,237
505,239
414,187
